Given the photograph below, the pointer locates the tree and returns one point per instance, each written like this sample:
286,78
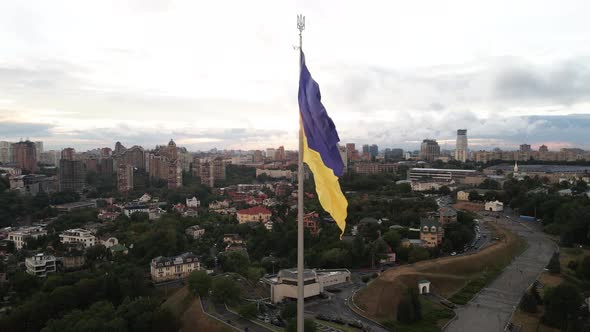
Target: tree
528,303
474,196
235,261
418,254
199,282
225,290
289,311
248,311
561,303
308,325
583,268
392,237
554,266
444,190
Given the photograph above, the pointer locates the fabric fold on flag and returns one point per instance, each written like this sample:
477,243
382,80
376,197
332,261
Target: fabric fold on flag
320,148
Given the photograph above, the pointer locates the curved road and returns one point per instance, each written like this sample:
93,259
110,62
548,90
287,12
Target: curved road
491,309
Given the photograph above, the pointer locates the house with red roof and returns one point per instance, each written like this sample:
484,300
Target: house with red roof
254,214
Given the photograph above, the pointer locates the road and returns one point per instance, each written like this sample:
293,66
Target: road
492,308
337,305
232,319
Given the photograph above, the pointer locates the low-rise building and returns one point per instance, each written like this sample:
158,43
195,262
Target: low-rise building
72,260
495,206
132,208
311,221
67,207
193,203
195,232
284,284
254,214
40,265
447,215
20,236
412,242
232,239
431,232
78,235
173,268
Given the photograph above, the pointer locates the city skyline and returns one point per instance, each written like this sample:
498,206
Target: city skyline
226,80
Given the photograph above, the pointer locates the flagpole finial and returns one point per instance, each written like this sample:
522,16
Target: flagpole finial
300,22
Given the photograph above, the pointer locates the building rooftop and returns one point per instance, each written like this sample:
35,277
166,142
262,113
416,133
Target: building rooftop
255,210
543,168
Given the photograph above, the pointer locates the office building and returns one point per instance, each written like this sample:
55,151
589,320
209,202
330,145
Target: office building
270,154
25,156
461,150
429,150
284,284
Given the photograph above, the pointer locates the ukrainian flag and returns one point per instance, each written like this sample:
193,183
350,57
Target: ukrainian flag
320,147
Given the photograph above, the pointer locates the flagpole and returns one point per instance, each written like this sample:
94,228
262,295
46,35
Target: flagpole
300,280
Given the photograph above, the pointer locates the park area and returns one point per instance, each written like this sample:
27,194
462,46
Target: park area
455,278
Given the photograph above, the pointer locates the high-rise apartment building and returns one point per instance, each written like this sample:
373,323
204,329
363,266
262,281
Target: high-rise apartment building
6,152
280,153
344,156
429,150
373,151
72,174
163,164
209,171
39,147
365,149
543,148
461,150
350,150
68,154
270,154
257,158
124,178
25,155
525,148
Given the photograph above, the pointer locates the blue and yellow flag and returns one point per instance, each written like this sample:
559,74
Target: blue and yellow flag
320,147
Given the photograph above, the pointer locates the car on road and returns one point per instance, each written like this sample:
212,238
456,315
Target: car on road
453,253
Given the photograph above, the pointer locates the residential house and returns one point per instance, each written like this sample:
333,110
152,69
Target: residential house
173,268
431,232
254,214
20,235
447,215
78,235
40,265
495,206
311,221
195,232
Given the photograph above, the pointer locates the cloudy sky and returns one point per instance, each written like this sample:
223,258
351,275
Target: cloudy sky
224,73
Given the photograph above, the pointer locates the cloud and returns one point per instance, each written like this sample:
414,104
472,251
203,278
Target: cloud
14,130
566,82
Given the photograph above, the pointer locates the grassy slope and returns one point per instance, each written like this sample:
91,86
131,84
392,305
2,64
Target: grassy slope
447,275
